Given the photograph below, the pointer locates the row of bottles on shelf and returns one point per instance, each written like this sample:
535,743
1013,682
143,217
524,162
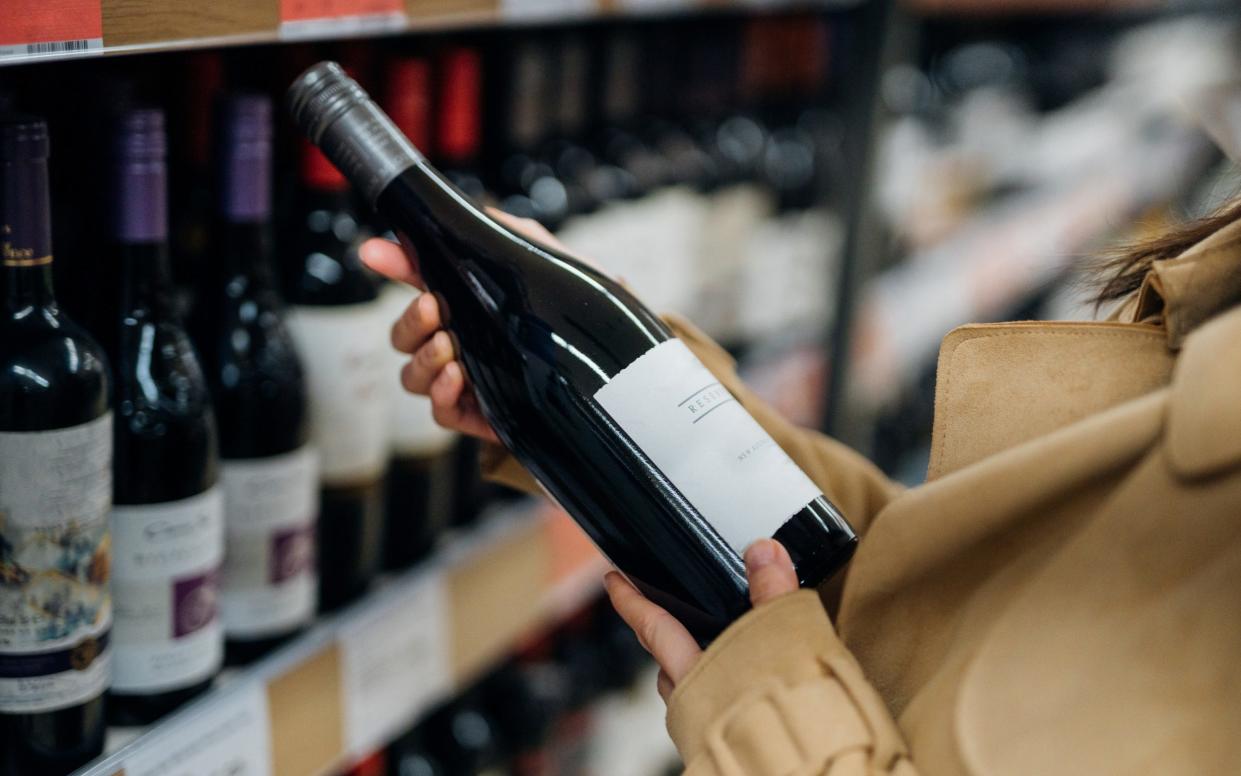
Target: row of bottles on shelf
538,714
170,491
218,469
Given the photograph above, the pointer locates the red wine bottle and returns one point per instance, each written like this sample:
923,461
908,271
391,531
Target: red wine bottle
268,469
615,416
420,482
55,489
168,514
338,325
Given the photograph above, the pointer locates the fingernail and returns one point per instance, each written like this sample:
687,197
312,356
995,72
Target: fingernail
761,553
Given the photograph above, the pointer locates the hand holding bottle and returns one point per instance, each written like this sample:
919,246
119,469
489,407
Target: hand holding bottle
433,369
770,572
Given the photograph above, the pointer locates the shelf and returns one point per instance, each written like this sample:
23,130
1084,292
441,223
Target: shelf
48,30
360,677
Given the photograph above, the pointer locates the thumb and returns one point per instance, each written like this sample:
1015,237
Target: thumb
770,570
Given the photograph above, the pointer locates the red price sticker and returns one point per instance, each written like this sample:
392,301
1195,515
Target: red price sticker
49,27
303,10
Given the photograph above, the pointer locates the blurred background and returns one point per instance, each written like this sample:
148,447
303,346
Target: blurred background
825,188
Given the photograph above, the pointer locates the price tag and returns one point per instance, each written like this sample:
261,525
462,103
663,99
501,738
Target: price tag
531,10
39,28
316,18
395,663
230,736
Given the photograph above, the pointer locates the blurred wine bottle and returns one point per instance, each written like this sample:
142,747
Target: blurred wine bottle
339,327
167,520
269,470
420,489
457,147
55,488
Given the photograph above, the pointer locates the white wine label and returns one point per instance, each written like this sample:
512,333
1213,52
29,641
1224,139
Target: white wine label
271,507
229,737
343,349
707,444
165,590
395,662
411,429
55,608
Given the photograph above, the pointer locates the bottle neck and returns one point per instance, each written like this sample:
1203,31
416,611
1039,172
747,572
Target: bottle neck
25,236
244,254
146,280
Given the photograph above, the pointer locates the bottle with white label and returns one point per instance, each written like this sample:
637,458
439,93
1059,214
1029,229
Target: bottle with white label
341,334
268,469
167,519
420,483
55,490
617,418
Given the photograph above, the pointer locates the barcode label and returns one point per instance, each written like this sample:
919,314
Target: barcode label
52,48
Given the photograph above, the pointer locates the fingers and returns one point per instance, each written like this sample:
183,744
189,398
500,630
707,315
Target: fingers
665,685
660,633
427,363
420,320
770,570
454,406
390,260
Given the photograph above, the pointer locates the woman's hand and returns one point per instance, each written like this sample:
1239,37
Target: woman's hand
433,369
771,574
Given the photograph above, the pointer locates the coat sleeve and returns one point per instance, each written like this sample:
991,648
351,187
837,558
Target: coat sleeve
850,481
778,693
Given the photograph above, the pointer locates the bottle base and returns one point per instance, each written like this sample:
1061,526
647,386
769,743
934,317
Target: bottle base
55,743
141,710
238,652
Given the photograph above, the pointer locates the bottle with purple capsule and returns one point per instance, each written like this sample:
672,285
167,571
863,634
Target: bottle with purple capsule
55,489
338,324
167,519
268,469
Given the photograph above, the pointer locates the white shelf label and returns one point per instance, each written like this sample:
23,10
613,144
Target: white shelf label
229,737
395,663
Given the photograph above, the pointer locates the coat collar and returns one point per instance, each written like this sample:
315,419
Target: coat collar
1204,416
1184,292
999,385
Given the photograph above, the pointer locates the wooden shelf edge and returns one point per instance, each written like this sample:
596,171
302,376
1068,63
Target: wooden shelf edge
291,714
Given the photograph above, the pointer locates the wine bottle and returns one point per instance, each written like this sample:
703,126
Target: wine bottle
410,755
55,489
420,483
268,469
457,140
168,514
337,324
616,417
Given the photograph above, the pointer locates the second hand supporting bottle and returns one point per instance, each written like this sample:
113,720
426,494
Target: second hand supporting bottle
338,326
268,468
668,474
167,520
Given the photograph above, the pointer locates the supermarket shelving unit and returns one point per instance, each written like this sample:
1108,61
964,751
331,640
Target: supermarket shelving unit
359,677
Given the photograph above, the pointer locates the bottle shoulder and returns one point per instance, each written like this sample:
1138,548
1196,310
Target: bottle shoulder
52,373
158,370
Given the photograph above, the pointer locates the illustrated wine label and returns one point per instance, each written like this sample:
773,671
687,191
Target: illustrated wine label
343,351
55,608
271,506
412,431
165,589
707,444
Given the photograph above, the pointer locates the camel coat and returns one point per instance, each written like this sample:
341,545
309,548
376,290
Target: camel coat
1063,594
